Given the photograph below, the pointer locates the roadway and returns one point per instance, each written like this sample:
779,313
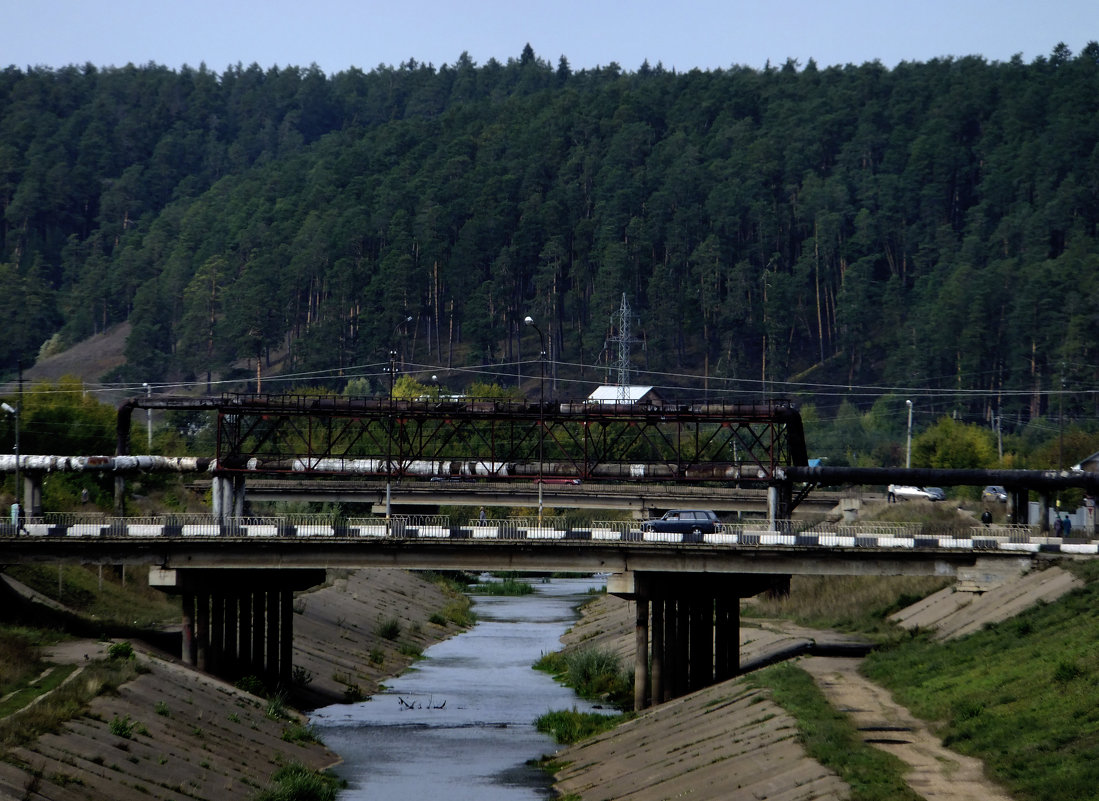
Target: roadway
861,549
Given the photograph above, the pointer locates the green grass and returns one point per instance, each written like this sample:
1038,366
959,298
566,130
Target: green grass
857,604
1022,695
66,702
509,586
829,737
295,782
117,608
389,629
39,686
570,726
594,674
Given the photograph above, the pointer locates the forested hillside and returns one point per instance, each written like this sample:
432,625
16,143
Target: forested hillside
930,227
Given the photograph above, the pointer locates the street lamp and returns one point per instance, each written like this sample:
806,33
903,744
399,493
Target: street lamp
389,439
541,408
15,506
148,418
908,446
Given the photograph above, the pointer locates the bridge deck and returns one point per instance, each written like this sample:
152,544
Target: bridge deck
894,549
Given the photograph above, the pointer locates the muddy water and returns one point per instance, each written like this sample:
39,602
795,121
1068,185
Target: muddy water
459,726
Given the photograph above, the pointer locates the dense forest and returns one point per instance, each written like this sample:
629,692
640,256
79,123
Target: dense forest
845,232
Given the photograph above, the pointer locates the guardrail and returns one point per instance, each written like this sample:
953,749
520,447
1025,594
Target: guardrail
792,534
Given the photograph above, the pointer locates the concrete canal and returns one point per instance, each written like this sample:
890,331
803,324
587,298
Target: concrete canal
460,724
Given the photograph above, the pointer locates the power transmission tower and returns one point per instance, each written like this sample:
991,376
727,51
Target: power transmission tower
620,336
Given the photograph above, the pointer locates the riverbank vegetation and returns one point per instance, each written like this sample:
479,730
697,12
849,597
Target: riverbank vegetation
854,604
568,726
595,674
830,738
509,585
1021,695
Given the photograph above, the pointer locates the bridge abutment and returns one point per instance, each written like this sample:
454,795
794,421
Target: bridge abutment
238,622
686,631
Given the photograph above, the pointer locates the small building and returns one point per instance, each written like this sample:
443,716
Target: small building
629,393
1089,464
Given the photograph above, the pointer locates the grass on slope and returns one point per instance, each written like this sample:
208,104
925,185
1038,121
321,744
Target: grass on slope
1022,695
830,738
849,603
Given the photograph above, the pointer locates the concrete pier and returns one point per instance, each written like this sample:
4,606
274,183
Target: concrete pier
687,629
238,622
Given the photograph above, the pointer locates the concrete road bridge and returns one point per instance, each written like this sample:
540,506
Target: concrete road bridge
237,575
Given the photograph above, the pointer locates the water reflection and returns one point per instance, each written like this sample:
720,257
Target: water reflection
461,722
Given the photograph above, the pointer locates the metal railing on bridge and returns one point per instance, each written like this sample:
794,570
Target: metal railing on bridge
782,533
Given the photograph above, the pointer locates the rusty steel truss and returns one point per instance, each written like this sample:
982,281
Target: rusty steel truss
499,439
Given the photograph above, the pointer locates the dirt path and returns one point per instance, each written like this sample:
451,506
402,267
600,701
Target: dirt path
937,773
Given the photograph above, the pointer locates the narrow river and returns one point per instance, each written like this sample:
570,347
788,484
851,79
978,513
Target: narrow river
459,725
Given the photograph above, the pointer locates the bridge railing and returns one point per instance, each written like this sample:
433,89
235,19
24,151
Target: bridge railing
549,527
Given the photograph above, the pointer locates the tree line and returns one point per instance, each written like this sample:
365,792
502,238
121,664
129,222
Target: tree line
930,227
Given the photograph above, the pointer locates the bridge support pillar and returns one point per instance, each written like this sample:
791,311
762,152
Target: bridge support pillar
780,502
227,496
247,629
1043,512
641,655
687,629
656,668
187,650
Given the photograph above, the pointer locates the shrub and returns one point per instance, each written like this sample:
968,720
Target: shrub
120,650
389,629
252,685
567,727
295,782
122,727
300,733
594,674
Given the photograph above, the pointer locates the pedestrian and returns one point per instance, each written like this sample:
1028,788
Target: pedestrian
1066,527
1056,526
481,517
84,496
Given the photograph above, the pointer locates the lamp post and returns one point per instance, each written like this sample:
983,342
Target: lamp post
908,445
392,421
541,408
148,419
15,506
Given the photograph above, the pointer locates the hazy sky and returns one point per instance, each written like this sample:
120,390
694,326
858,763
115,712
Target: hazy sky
337,34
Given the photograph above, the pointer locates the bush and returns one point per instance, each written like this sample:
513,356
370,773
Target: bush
122,727
120,650
593,673
295,782
567,727
389,629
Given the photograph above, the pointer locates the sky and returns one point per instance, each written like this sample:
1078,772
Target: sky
681,34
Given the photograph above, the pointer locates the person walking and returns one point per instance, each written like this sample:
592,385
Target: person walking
481,517
1066,526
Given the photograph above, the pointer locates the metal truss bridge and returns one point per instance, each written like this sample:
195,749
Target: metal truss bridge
496,439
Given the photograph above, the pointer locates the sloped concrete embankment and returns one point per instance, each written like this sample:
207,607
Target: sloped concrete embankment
726,742
194,736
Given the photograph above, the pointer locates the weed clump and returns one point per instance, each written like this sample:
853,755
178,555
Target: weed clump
594,673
